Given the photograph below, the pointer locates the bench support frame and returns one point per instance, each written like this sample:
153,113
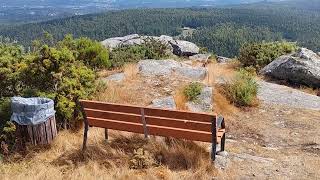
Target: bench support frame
216,123
214,138
86,129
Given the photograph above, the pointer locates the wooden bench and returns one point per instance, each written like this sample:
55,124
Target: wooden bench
151,121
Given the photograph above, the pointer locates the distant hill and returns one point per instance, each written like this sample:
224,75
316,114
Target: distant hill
221,29
25,11
313,5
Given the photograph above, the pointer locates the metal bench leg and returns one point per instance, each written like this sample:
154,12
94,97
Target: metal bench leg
106,135
213,138
213,151
223,142
85,135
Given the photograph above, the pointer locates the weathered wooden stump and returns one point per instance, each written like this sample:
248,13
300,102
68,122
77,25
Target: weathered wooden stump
40,134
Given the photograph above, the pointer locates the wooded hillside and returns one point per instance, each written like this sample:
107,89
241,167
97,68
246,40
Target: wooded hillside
255,24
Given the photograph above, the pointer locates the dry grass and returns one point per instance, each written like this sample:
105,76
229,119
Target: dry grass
221,72
122,93
180,99
131,71
126,92
64,160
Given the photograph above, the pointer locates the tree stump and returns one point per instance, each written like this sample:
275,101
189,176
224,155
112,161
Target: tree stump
40,134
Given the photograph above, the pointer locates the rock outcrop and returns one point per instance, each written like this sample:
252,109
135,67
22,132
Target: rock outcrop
203,102
302,67
133,39
178,47
184,48
168,67
203,58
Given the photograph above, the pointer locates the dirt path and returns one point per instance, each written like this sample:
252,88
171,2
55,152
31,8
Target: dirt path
279,143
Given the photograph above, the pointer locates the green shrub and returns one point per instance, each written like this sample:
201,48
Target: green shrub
258,55
90,52
11,63
192,91
243,89
150,49
58,75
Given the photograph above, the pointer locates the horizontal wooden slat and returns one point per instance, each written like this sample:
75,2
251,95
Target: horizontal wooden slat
151,120
134,118
178,123
111,107
116,125
180,133
179,115
152,129
175,114
167,123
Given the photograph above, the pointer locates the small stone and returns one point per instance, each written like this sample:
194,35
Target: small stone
164,103
221,59
115,77
223,153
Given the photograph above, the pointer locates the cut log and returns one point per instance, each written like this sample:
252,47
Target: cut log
40,134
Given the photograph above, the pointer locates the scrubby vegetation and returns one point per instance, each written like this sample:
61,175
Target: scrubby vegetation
226,39
258,55
242,89
64,71
192,91
150,49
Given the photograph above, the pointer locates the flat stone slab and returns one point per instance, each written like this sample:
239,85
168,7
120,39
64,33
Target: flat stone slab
168,67
115,77
271,93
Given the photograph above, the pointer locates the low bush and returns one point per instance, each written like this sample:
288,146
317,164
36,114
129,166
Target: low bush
192,91
63,71
150,49
243,89
258,55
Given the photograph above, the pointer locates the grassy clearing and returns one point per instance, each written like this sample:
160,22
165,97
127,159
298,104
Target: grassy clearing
175,159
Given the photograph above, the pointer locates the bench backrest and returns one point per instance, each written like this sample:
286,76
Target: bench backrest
153,121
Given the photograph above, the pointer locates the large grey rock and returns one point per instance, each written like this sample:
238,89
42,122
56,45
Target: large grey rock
302,67
115,42
115,77
203,102
200,57
178,47
168,67
164,103
184,48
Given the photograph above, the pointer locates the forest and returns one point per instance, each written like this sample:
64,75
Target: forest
222,30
